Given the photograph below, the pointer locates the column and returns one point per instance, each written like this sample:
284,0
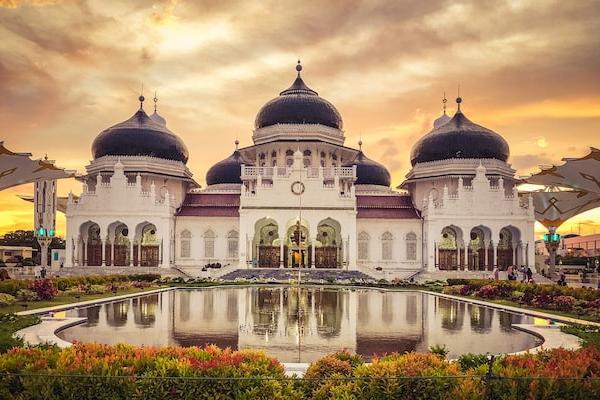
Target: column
524,259
77,250
515,252
486,246
84,252
436,260
103,255
139,253
494,255
131,253
160,249
312,254
466,256
457,255
112,252
281,243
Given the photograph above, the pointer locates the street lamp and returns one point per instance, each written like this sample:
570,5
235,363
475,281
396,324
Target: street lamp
552,241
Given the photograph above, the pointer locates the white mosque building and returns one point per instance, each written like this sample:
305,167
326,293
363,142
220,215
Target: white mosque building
298,197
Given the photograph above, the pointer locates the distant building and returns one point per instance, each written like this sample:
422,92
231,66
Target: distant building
299,197
12,254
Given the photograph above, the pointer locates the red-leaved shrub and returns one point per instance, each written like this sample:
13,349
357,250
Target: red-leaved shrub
44,288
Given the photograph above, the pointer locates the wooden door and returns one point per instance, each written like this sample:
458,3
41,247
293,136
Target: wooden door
447,260
121,253
268,256
94,254
326,257
149,256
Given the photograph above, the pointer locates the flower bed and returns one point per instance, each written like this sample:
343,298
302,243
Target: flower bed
581,302
93,371
127,372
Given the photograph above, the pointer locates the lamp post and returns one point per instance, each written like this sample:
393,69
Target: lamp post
552,241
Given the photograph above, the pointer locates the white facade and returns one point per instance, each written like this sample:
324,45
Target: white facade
298,197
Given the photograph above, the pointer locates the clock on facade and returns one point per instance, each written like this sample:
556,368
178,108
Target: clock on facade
298,188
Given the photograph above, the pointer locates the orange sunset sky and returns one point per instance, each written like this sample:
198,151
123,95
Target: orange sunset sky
69,69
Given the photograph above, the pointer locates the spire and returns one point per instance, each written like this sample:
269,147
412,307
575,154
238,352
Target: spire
444,101
156,101
142,98
299,68
237,143
360,145
458,100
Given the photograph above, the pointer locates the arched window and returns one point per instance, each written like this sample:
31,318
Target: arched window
209,244
232,244
185,244
363,246
386,246
411,246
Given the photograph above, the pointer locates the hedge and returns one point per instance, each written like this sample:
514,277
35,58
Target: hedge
125,372
12,286
94,371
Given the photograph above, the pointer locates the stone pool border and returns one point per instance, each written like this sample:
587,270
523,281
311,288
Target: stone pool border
552,337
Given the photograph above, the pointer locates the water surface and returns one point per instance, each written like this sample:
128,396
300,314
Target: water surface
302,326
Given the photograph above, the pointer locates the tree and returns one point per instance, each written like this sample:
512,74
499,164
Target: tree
27,239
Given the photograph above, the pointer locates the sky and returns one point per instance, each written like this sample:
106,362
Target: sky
526,69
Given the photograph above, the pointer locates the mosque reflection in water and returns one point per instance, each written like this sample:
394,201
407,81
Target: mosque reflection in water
303,325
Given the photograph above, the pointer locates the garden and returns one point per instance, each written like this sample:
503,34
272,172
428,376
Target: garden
94,371
582,303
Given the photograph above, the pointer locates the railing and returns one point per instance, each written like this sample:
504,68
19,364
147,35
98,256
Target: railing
312,172
486,386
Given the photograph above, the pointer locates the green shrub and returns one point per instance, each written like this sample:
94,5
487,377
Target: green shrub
12,286
97,289
147,363
9,324
441,351
27,295
7,299
472,361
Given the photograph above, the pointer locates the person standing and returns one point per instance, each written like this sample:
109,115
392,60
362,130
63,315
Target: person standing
529,273
496,273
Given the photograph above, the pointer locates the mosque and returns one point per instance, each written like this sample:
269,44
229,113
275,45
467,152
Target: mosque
299,198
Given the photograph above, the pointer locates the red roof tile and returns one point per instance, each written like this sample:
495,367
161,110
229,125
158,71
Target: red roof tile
386,207
210,205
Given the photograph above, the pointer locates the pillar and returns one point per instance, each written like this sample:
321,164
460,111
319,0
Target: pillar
131,253
486,246
281,248
494,255
457,255
312,254
466,256
139,253
436,259
515,253
112,252
524,258
103,255
84,252
77,251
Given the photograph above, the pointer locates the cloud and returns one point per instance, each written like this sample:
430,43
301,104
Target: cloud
70,69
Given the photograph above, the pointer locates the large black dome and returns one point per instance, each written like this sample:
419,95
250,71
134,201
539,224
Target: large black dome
140,135
228,170
369,172
459,138
299,104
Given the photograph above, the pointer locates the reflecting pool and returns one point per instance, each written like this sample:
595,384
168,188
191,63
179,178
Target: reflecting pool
302,325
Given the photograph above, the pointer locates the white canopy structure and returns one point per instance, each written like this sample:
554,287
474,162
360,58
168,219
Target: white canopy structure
570,189
18,168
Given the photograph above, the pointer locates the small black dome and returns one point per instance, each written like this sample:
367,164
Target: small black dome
369,172
228,170
140,135
298,104
459,138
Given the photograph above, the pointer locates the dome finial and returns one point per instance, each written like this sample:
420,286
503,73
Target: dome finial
142,98
299,67
458,100
444,101
360,142
155,101
237,143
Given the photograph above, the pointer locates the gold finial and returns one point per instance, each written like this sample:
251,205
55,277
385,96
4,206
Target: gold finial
299,67
458,99
155,101
444,101
142,98
237,143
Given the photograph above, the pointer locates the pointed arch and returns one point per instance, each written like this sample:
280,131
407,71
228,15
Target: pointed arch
387,240
411,246
363,245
